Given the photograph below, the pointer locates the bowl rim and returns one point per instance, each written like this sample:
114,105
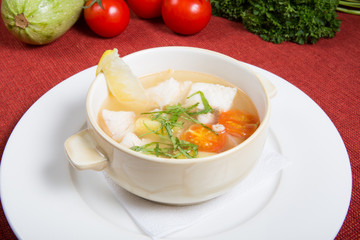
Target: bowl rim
262,127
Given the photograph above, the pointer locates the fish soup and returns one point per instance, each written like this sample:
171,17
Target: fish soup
188,115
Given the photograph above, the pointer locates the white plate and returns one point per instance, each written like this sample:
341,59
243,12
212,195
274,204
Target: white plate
44,198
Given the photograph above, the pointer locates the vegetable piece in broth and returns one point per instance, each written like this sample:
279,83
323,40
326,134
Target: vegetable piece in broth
169,120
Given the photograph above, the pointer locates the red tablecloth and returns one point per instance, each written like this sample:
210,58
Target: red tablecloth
329,72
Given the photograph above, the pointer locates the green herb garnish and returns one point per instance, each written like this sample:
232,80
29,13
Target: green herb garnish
169,119
181,147
207,107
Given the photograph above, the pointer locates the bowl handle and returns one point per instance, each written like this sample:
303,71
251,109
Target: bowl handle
82,153
268,85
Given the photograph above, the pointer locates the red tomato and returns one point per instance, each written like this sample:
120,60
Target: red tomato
239,123
186,16
205,139
108,21
146,8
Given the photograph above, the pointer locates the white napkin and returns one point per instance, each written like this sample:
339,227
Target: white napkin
157,220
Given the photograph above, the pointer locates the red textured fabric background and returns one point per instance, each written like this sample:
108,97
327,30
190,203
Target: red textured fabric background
328,72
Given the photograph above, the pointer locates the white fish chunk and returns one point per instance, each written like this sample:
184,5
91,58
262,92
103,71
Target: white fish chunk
219,97
218,128
118,123
169,92
208,118
130,139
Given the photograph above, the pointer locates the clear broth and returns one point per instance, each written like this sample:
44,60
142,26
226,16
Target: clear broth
241,101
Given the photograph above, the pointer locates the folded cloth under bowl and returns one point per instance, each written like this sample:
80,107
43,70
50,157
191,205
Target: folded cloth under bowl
159,220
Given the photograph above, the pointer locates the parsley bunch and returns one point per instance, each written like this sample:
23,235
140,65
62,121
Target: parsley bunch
299,21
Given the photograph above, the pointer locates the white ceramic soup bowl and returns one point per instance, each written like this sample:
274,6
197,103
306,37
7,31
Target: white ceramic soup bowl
173,181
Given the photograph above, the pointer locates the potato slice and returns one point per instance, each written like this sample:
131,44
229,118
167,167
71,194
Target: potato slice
144,125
